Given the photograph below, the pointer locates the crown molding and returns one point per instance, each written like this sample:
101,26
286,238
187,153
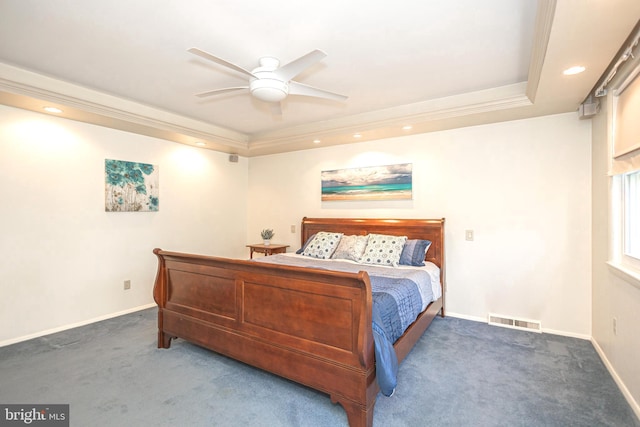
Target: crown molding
484,101
31,85
20,88
542,33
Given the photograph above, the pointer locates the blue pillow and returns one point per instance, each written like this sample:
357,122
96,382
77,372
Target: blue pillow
414,252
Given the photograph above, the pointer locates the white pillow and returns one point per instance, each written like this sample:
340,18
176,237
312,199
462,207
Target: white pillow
383,249
322,245
350,247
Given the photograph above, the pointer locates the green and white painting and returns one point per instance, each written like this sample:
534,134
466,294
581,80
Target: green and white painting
130,186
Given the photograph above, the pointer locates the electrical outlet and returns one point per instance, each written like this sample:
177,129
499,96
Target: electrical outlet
615,326
293,228
127,284
468,235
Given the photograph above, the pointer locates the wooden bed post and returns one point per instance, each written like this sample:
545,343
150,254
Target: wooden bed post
159,288
358,415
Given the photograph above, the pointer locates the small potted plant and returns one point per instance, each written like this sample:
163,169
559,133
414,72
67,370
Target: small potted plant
267,234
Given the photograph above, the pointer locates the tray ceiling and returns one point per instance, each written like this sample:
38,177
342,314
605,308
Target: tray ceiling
428,64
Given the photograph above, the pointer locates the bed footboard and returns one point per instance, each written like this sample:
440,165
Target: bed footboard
310,326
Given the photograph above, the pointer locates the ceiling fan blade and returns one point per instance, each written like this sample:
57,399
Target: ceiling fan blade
295,67
221,91
210,57
296,88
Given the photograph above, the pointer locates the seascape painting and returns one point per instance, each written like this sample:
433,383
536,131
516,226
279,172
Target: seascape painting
130,186
393,182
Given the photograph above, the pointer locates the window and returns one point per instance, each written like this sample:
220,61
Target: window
621,91
624,109
631,218
625,226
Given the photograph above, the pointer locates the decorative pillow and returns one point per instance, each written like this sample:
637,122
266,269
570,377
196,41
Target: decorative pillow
383,249
322,245
414,252
350,247
299,251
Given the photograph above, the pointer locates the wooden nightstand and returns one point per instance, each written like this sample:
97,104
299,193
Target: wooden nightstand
267,249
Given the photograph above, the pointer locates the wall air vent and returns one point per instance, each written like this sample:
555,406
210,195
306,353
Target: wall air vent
513,323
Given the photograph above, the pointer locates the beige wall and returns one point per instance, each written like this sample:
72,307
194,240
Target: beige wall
63,259
524,187
614,296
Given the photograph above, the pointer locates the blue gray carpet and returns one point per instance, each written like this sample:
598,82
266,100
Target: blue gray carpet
461,373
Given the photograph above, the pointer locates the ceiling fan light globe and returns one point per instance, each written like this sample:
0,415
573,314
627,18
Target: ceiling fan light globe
269,90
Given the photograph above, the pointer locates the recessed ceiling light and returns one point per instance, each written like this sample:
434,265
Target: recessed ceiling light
200,144
316,141
574,70
407,127
357,135
52,110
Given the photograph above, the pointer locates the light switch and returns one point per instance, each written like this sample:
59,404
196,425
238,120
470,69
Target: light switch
293,228
468,235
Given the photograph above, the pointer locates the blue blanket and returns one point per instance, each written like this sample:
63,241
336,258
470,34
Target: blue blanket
396,304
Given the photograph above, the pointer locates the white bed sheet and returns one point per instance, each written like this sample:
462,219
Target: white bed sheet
430,268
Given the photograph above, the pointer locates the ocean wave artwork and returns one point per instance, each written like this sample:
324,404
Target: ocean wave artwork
391,182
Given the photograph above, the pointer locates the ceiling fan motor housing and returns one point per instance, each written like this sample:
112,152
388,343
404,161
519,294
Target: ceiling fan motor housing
268,86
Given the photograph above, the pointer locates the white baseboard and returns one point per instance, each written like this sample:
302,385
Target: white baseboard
623,388
544,330
465,317
567,334
74,325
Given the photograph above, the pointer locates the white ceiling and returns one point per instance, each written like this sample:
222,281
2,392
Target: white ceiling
431,64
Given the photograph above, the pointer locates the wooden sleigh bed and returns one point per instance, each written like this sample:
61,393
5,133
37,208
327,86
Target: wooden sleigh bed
311,326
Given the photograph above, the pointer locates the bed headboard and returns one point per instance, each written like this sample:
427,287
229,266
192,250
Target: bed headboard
427,229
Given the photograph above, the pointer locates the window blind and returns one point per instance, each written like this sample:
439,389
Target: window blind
626,125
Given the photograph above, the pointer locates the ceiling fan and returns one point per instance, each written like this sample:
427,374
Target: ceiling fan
271,82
